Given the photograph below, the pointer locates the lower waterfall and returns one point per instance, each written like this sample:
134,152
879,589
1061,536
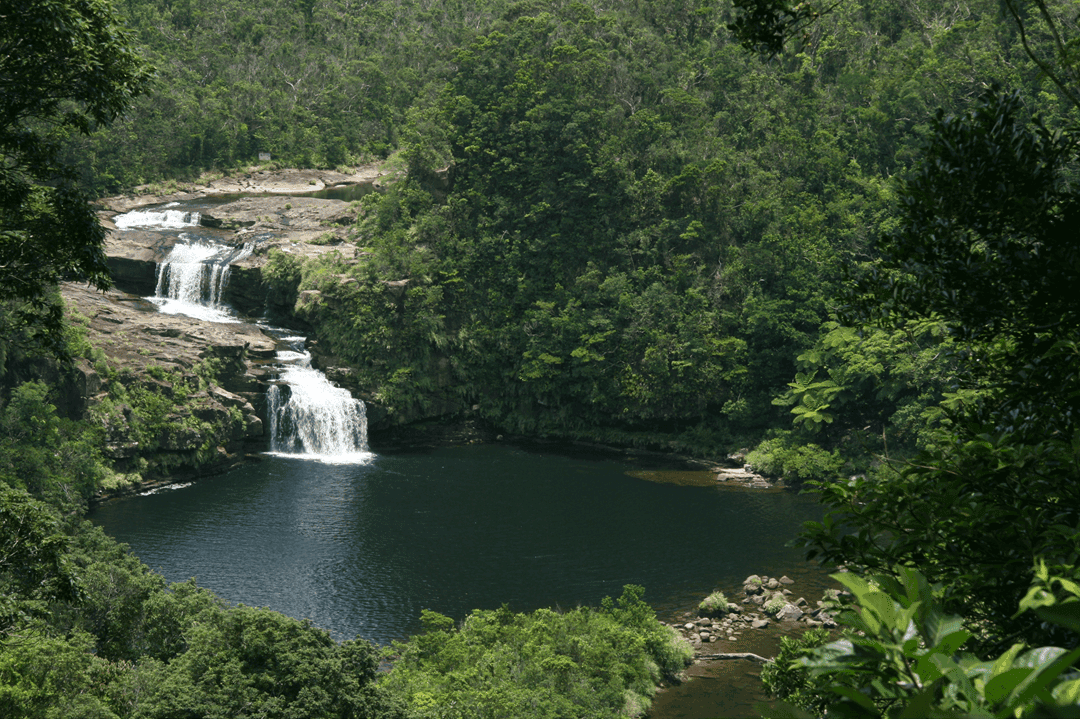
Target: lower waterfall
310,418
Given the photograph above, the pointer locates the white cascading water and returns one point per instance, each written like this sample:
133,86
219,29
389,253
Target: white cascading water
317,420
192,278
166,219
314,419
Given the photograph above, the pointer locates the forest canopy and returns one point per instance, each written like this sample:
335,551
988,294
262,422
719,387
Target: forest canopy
838,235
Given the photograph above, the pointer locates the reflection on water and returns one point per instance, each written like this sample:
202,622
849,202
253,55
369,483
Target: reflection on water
683,478
362,549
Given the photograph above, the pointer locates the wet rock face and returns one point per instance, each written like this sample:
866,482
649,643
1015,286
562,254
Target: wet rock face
301,226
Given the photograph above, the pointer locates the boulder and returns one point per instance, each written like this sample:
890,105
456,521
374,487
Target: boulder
789,612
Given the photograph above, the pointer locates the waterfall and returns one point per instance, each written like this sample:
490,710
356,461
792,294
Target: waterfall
165,219
309,417
192,278
313,419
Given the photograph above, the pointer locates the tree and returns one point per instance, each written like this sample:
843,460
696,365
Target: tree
987,240
32,567
1045,28
984,242
901,656
66,66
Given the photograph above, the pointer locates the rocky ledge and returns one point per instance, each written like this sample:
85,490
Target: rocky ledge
303,226
255,181
174,396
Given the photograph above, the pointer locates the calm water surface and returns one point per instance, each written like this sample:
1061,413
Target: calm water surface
361,550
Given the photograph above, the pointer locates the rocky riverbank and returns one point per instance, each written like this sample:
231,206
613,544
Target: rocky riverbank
765,602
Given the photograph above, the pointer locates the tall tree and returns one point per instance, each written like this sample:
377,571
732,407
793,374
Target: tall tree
66,66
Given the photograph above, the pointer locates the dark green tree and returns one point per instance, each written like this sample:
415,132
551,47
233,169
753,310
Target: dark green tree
66,66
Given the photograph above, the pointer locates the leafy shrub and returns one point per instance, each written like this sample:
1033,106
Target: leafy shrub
715,603
801,463
591,663
785,676
775,604
52,458
901,656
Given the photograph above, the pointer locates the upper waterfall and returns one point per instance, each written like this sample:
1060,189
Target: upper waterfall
165,219
192,278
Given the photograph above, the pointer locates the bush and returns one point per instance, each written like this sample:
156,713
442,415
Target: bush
591,663
786,676
775,604
801,463
715,603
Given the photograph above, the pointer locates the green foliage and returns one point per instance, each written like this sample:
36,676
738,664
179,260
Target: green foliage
902,656
786,677
984,243
52,458
765,26
54,678
585,663
782,457
87,630
973,514
891,381
715,603
995,487
247,660
281,273
774,604
315,84
66,66
33,570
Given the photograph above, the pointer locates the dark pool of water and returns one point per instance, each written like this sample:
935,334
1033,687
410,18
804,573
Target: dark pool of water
361,550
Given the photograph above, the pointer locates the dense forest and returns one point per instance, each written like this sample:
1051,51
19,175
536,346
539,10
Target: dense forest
839,237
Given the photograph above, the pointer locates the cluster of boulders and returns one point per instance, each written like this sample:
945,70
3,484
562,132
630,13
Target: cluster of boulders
767,601
774,598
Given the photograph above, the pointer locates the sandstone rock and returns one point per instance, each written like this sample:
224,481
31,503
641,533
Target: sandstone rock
759,623
789,612
253,426
786,580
